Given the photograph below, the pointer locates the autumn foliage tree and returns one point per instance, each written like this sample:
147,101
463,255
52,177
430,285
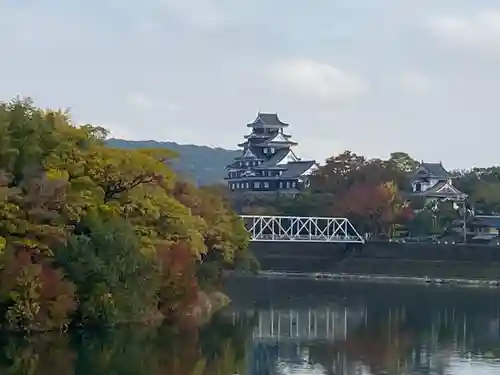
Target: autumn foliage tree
368,191
373,208
94,234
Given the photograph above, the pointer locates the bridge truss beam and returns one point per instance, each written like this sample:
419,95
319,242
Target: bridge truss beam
303,229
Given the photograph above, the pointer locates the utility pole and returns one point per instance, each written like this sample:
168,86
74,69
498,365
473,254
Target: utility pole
463,200
465,221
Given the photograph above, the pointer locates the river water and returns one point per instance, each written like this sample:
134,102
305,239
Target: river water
296,327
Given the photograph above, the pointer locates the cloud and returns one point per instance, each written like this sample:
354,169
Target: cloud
145,103
415,83
481,29
316,80
198,13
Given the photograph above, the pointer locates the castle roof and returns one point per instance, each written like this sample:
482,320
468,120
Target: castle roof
297,168
277,158
248,154
267,120
435,170
278,140
290,171
443,189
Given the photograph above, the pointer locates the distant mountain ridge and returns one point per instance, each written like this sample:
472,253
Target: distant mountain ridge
202,165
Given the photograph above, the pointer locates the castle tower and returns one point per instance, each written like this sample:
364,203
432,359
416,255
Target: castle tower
267,162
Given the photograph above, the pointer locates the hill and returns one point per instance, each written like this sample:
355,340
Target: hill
200,164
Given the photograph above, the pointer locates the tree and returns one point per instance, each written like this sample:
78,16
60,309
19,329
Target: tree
483,186
101,226
335,175
403,162
117,282
366,190
372,207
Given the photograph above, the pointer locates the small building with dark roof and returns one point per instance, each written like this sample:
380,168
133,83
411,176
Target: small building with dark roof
267,162
485,227
432,181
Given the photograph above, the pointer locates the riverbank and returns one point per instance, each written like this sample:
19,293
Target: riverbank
387,262
470,283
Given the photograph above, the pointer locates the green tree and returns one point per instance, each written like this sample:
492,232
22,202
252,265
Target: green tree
403,162
80,221
117,282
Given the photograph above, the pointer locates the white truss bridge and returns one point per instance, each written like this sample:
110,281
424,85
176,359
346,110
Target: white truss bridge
301,229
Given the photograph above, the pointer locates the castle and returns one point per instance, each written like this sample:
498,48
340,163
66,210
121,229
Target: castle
267,162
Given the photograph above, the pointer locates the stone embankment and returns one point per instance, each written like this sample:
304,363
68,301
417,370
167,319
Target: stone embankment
383,279
464,265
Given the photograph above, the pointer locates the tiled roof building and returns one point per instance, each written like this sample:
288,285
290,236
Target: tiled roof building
432,181
267,161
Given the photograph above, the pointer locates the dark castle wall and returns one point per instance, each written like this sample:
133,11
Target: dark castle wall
381,258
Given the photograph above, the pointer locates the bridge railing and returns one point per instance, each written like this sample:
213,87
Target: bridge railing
301,229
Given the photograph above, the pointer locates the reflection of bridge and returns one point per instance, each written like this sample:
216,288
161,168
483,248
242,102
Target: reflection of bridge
281,336
306,324
301,229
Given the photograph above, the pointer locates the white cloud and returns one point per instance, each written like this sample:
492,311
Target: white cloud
316,80
146,103
481,29
415,83
198,13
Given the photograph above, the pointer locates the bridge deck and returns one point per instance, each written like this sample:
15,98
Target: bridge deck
301,229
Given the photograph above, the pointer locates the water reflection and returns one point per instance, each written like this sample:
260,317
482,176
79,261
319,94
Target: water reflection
279,327
218,348
332,328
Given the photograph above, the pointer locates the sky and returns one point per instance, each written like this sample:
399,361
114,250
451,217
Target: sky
371,76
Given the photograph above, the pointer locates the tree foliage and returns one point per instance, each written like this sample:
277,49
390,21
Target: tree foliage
367,191
483,187
98,235
374,195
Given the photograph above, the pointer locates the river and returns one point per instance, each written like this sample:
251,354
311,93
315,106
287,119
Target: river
296,327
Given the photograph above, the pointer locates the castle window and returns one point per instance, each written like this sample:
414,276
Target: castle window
266,150
256,185
288,184
272,150
294,184
281,185
266,185
247,185
418,187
